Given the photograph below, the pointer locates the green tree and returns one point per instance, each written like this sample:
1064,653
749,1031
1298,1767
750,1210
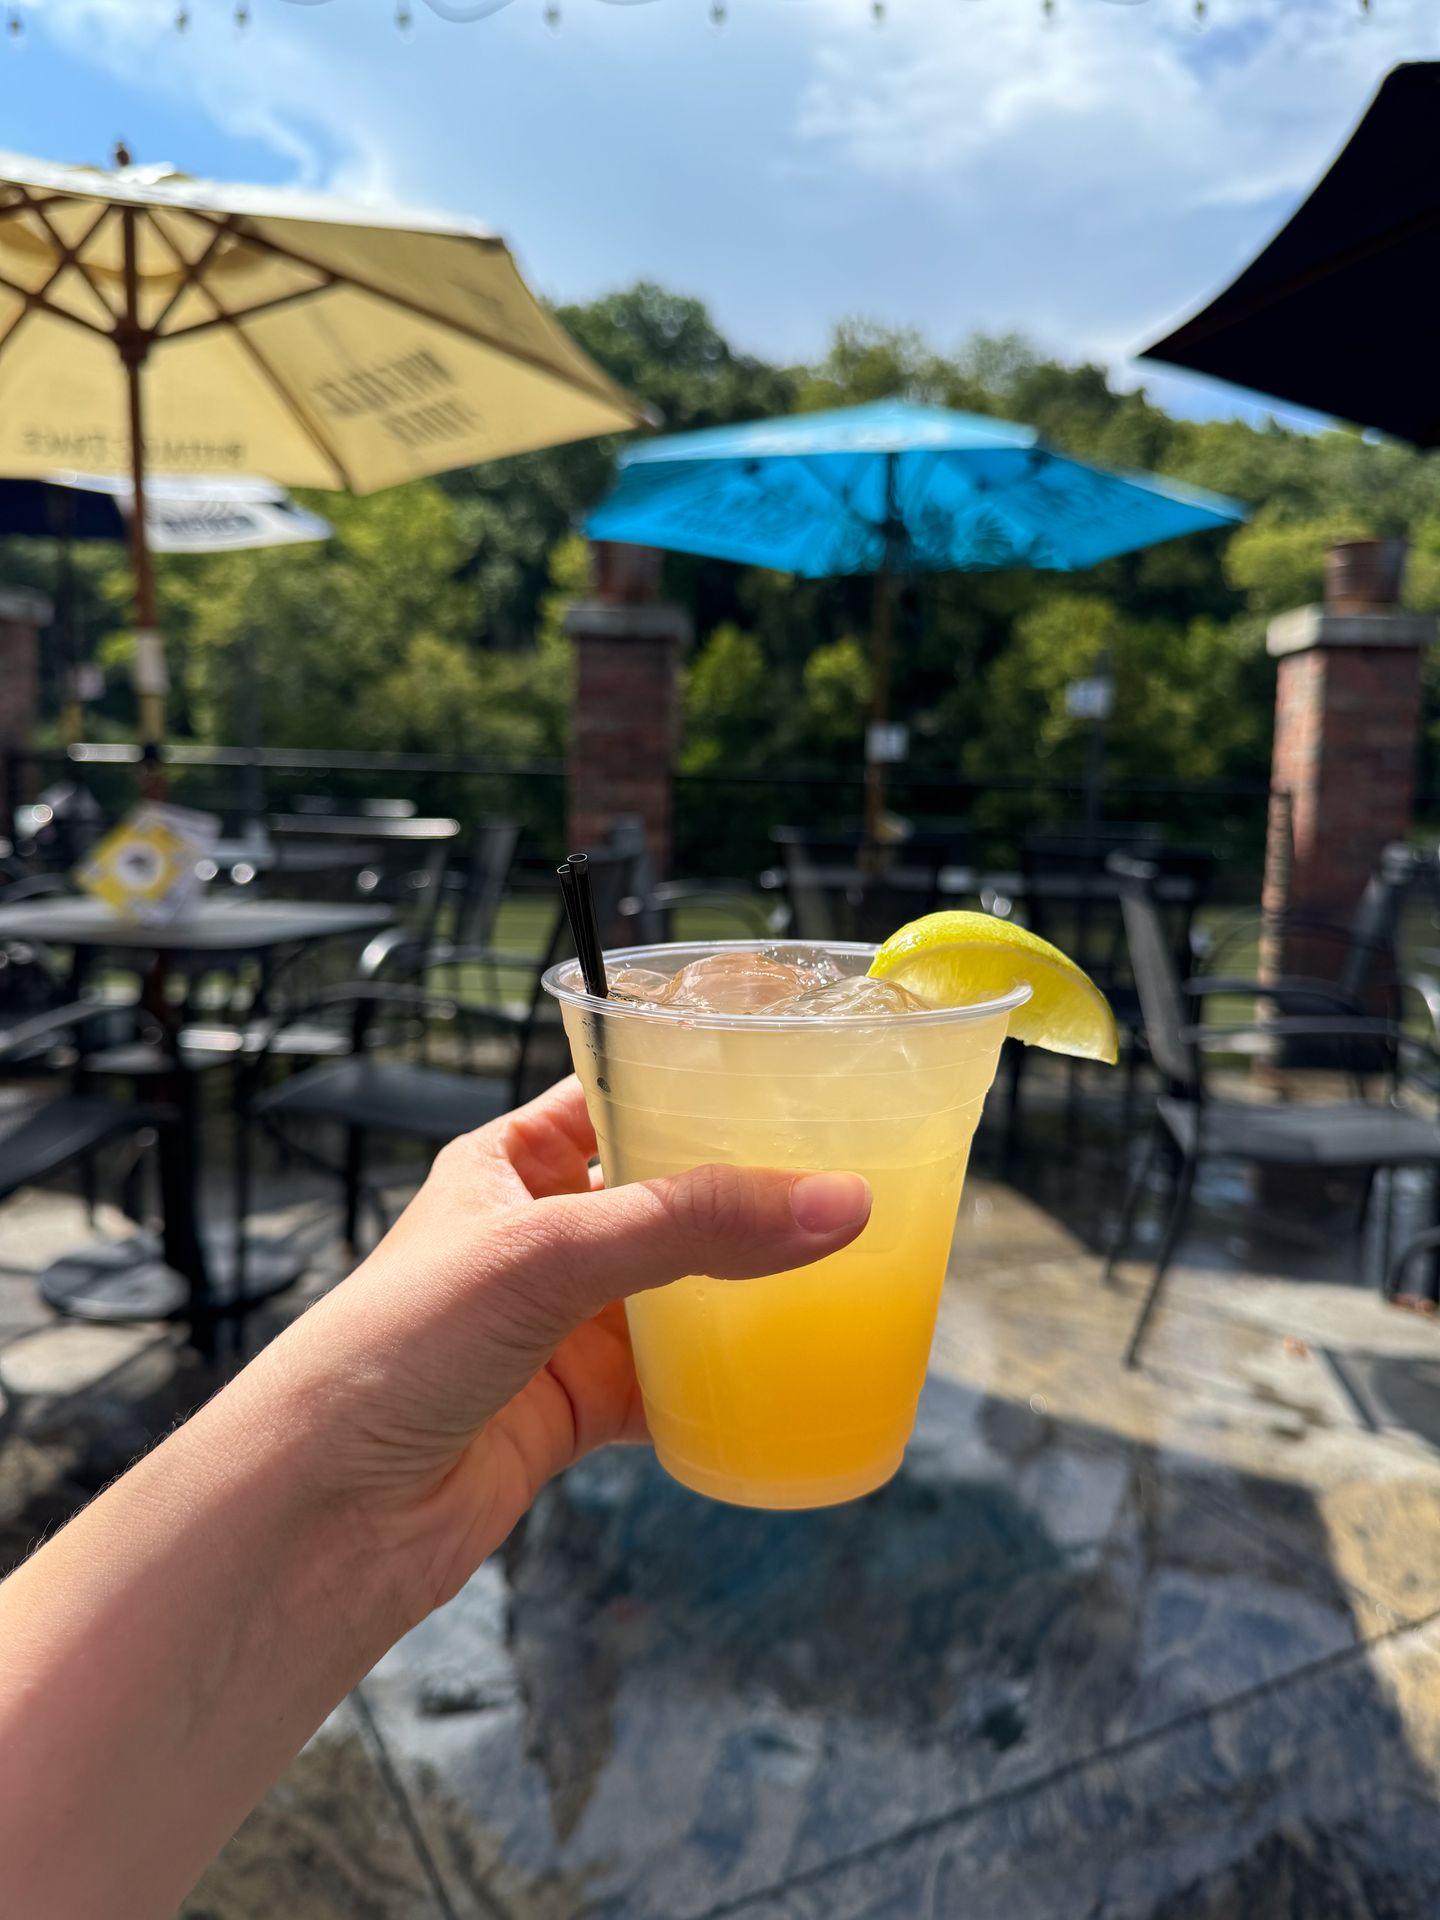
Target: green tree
728,702
309,636
433,617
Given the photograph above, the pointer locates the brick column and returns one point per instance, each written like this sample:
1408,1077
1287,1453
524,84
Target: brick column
625,723
1347,723
22,615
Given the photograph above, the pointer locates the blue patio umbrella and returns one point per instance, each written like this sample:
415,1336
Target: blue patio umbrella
890,489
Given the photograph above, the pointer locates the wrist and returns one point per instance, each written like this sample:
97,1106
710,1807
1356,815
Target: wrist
281,1446
346,1432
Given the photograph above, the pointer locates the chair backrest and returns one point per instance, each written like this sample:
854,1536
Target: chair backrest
397,862
812,908
1371,956
1162,1004
479,887
1073,899
838,888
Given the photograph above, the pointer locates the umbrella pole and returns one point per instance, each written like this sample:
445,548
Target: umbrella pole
61,516
151,684
882,627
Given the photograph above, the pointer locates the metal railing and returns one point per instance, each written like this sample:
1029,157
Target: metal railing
722,821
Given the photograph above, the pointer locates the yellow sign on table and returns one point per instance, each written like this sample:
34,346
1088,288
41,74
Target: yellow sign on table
147,869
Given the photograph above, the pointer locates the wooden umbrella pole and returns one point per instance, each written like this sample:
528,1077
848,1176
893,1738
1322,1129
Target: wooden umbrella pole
882,627
149,671
881,637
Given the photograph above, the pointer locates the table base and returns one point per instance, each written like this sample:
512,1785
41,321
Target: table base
123,1280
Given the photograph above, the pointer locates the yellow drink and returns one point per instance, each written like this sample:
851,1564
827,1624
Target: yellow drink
797,1390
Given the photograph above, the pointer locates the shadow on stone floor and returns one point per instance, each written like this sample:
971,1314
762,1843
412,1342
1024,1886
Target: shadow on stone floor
694,1710
1151,1648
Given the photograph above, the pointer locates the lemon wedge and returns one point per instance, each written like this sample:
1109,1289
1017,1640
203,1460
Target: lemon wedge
955,959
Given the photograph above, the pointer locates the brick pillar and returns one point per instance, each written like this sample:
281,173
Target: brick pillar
1347,724
22,615
625,725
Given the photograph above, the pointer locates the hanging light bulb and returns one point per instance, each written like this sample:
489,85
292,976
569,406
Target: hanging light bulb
1202,12
182,20
1047,10
404,19
877,13
552,15
242,16
15,27
718,15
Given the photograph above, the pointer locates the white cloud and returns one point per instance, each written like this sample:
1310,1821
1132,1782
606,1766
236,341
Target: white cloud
1106,133
1110,99
269,84
964,166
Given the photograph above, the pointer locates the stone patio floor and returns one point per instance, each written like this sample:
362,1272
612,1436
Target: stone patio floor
1151,1646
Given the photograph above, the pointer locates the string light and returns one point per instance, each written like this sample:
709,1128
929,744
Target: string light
468,12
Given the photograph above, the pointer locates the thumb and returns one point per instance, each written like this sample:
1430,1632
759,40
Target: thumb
582,1251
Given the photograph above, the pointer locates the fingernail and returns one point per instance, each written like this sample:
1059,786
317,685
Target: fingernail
826,1202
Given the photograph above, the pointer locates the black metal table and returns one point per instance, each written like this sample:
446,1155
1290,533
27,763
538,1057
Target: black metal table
381,828
957,882
190,1272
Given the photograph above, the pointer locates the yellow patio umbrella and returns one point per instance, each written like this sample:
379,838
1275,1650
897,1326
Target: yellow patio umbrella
149,321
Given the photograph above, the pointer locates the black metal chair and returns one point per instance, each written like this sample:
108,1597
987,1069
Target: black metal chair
399,862
43,1132
1072,899
1357,965
1360,1136
651,907
423,1063
476,886
466,909
839,888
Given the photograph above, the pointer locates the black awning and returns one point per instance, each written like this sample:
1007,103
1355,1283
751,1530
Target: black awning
1341,311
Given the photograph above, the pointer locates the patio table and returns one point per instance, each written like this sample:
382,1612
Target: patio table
956,882
959,882
377,827
190,1273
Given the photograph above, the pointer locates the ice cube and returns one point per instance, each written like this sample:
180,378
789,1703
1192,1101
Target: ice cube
859,998
637,986
816,967
734,983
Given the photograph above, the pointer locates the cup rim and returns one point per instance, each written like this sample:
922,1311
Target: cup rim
564,982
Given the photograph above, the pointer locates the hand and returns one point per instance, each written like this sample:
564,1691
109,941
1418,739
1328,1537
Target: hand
166,1654
481,1348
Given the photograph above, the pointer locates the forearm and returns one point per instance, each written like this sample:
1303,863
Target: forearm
164,1657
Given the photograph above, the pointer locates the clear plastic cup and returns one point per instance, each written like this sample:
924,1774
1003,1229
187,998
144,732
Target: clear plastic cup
799,1389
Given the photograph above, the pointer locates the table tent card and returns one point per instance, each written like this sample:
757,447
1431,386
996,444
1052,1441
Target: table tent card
146,870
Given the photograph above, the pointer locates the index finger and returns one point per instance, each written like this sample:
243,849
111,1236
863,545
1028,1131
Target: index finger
550,1141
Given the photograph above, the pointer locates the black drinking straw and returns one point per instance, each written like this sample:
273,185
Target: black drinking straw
580,904
580,907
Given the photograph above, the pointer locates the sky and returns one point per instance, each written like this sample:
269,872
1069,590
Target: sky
964,165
